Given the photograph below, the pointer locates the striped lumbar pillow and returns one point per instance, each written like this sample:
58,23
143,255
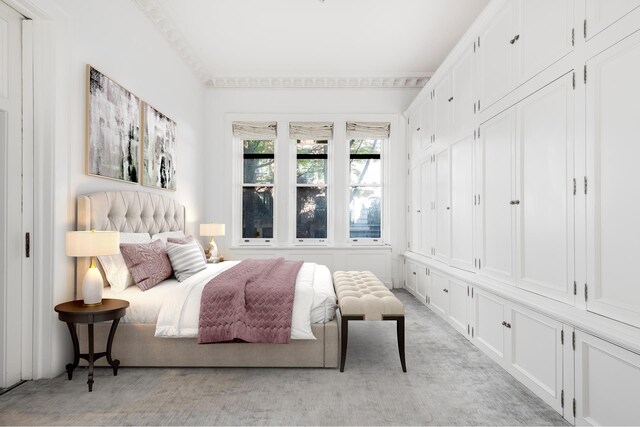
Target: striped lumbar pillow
186,260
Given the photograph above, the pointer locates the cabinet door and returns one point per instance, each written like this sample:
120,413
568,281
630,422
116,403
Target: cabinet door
443,206
488,330
428,203
462,203
442,102
411,276
416,210
414,131
544,189
545,34
535,353
496,55
497,241
462,91
422,284
439,293
607,383
602,13
426,124
457,313
613,202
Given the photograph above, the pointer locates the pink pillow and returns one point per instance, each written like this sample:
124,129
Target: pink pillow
148,263
184,241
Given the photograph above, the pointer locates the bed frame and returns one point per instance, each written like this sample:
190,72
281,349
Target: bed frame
136,345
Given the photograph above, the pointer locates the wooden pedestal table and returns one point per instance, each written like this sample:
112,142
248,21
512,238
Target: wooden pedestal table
74,312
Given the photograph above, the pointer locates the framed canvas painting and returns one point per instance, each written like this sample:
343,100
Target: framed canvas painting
112,129
159,149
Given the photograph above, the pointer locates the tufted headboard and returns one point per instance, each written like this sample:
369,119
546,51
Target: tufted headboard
128,212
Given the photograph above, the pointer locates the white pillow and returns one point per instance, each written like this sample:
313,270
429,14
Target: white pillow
186,259
164,236
114,266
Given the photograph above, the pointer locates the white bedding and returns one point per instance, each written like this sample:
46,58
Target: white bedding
175,307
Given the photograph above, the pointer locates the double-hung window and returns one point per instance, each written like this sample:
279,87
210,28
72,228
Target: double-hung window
258,180
311,184
366,141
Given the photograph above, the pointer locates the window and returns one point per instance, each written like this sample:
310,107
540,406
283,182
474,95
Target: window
311,189
365,192
257,189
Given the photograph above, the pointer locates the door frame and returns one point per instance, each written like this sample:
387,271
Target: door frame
40,39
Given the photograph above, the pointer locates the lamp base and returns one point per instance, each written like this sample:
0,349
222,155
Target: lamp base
92,286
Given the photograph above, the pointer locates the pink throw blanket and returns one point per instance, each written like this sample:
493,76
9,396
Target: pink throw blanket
252,302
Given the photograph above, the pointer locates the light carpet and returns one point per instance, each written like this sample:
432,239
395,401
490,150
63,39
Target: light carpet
449,382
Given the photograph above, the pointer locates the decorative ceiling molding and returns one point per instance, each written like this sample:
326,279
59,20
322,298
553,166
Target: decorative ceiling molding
163,23
318,82
161,19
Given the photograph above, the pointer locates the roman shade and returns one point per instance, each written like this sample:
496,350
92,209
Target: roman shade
368,130
255,130
311,130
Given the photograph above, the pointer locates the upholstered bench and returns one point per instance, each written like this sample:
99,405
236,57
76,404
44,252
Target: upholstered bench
362,296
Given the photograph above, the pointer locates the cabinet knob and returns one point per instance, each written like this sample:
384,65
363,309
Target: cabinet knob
514,202
445,290
515,39
504,323
508,325
450,99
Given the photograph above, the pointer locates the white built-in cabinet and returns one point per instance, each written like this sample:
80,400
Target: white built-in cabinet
525,187
607,383
462,202
600,14
613,200
524,38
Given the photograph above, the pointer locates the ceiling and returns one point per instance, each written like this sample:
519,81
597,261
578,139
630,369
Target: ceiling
301,43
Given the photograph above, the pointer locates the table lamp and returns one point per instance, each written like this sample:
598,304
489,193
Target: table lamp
212,230
92,244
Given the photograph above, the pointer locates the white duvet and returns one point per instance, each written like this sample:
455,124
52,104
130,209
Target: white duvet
175,307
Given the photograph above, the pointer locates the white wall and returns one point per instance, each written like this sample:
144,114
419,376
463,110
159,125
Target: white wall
295,102
117,38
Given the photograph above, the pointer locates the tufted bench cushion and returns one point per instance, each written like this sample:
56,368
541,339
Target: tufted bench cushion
361,293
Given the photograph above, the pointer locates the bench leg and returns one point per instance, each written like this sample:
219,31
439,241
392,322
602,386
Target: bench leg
400,327
400,332
344,333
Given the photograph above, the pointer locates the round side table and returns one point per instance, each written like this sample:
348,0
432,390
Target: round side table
74,312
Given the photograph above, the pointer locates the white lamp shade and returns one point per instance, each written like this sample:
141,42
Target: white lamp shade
212,229
92,243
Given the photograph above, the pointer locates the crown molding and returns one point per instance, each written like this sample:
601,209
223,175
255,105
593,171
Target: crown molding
318,82
161,19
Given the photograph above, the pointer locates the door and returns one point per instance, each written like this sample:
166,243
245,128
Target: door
462,91
442,114
439,293
496,55
607,383
426,123
427,203
544,190
422,284
546,34
535,353
602,13
613,206
457,313
11,237
497,215
414,131
411,276
462,199
416,211
443,206
488,329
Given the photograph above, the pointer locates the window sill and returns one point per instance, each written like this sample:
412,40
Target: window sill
360,247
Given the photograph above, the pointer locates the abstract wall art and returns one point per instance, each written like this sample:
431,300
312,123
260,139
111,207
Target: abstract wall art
112,129
159,149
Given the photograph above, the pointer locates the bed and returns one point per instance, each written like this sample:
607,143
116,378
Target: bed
136,343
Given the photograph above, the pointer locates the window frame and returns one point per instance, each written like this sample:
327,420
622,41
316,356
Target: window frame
243,241
367,241
293,208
